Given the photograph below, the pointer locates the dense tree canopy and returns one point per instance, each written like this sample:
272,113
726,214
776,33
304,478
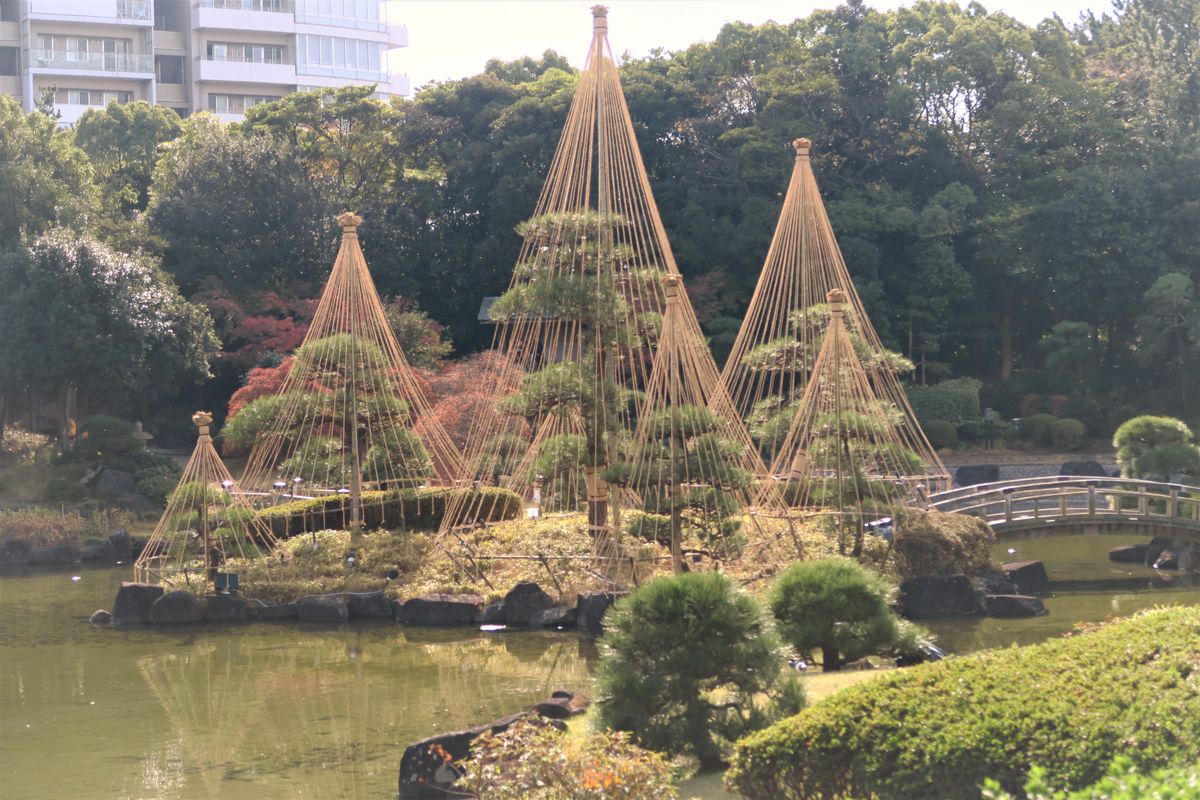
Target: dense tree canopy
1008,198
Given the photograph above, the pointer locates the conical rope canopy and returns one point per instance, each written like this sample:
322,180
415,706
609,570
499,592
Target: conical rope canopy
578,329
351,417
207,522
773,357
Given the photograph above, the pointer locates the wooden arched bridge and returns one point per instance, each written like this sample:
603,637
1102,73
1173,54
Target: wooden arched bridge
1066,505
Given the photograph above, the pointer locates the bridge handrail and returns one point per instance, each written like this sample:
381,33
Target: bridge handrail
942,498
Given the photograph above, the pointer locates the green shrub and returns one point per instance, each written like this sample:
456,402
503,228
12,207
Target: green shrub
64,490
1037,428
1123,781
837,606
1066,434
649,527
415,509
534,760
1156,447
682,663
955,400
936,543
937,729
102,438
941,433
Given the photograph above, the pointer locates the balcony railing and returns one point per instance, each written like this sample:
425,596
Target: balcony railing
278,6
134,9
92,62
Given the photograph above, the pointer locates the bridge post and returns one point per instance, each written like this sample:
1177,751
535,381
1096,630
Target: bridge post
1091,487
1173,502
1062,504
1143,502
1007,492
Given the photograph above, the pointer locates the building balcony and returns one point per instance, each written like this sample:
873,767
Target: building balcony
120,12
172,93
170,41
135,65
397,35
245,72
10,34
69,113
244,15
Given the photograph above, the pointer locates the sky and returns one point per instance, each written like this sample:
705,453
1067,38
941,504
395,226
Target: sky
451,39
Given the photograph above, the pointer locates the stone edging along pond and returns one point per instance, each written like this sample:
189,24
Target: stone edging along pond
527,605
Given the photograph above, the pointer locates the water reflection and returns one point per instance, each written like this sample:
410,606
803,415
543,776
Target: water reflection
327,717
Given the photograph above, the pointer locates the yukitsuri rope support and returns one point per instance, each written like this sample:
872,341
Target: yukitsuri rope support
580,327
773,357
207,522
843,462
351,417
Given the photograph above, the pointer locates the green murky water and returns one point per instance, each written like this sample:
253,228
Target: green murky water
287,711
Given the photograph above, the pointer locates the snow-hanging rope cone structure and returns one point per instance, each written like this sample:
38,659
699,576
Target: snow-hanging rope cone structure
773,357
843,462
351,418
207,523
578,329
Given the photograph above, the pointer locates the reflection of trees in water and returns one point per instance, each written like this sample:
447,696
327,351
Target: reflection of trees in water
328,716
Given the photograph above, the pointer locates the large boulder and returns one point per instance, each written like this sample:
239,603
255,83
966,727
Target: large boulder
1012,605
277,612
122,544
97,550
120,488
1128,554
323,608
561,705
555,617
933,596
974,474
57,554
524,602
1029,577
100,618
224,608
368,605
492,614
132,606
441,609
590,609
429,767
177,608
1083,469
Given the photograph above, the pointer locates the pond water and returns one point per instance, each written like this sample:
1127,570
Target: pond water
288,711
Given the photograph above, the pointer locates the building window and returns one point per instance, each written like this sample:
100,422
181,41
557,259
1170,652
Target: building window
91,97
250,5
363,14
249,53
337,57
8,60
235,103
168,69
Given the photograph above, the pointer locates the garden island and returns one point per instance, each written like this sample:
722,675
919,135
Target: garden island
741,522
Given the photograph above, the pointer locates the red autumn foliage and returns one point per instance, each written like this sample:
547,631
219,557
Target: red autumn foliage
261,382
462,391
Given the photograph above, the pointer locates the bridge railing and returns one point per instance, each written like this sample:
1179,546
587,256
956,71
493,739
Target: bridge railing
1060,497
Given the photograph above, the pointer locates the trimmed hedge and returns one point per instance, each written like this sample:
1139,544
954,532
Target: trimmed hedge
941,433
1037,428
1069,705
414,509
1066,434
955,400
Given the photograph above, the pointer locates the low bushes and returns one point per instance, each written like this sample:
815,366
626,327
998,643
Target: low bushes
936,543
42,528
417,509
534,761
1036,428
1066,434
1123,781
941,433
1129,688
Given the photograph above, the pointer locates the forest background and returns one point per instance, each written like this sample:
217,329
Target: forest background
1019,205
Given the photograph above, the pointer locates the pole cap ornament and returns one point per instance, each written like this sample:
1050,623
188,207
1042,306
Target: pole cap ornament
349,221
600,19
802,146
202,419
836,298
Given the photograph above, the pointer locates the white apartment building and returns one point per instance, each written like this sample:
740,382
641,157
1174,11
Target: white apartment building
222,56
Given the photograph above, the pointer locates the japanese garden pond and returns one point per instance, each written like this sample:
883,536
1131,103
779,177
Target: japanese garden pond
285,710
